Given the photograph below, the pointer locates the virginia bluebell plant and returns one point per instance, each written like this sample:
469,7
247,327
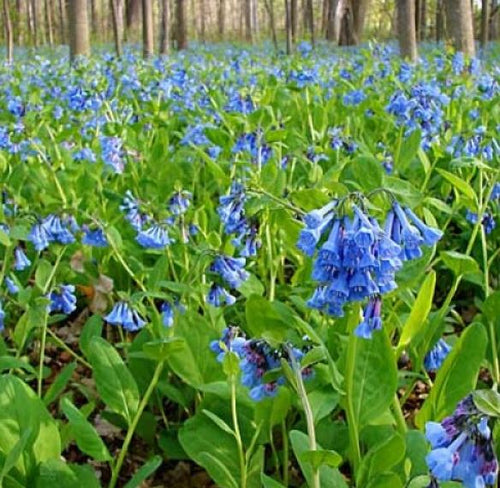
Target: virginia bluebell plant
462,447
358,259
436,356
122,314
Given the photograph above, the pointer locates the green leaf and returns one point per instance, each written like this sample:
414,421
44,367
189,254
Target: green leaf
144,472
213,448
15,453
459,263
268,482
488,401
456,377
218,421
114,381
92,328
161,349
371,376
270,320
420,311
5,239
87,438
409,148
114,237
55,472
42,274
10,362
457,182
329,477
417,449
368,172
21,410
59,384
322,457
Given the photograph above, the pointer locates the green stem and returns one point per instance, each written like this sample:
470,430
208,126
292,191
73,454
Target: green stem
64,346
133,425
398,414
286,452
237,434
272,271
42,356
311,432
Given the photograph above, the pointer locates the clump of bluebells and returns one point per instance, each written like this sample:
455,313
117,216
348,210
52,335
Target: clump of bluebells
356,259
436,356
63,299
257,357
124,315
462,447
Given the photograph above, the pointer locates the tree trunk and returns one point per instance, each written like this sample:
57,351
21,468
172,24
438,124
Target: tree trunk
493,21
147,29
422,20
439,20
221,18
359,8
294,19
347,32
269,5
180,29
324,17
19,16
485,22
203,20
34,22
165,27
459,25
117,19
48,20
62,21
288,27
248,21
406,29
331,22
310,18
78,29
94,25
9,36
133,13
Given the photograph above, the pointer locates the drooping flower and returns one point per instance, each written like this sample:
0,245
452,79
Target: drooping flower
436,356
218,296
2,317
11,285
94,237
63,299
179,202
21,260
122,314
155,237
231,270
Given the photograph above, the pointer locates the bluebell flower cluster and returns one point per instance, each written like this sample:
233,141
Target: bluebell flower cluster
257,357
11,285
339,141
253,143
436,356
358,259
462,447
230,269
154,237
218,296
52,229
473,145
487,221
112,153
168,312
125,316
63,299
179,202
131,206
94,237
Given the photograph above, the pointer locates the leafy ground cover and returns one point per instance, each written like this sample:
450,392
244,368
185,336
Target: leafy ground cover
231,268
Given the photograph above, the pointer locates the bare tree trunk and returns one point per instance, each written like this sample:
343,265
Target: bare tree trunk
19,16
117,19
9,36
62,20
78,29
294,19
147,29
165,27
269,4
494,17
324,17
34,21
221,18
459,25
248,21
48,20
485,22
310,19
406,29
133,13
181,33
359,8
203,20
288,27
347,33
94,25
422,33
439,20
331,21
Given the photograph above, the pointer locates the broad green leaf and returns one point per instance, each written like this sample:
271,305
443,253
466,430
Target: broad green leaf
385,480
92,328
420,311
417,449
114,381
456,377
322,457
4,239
55,472
15,453
59,384
144,472
42,274
219,422
459,263
371,376
329,477
20,411
409,149
161,349
457,182
268,482
11,362
368,172
86,437
488,401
